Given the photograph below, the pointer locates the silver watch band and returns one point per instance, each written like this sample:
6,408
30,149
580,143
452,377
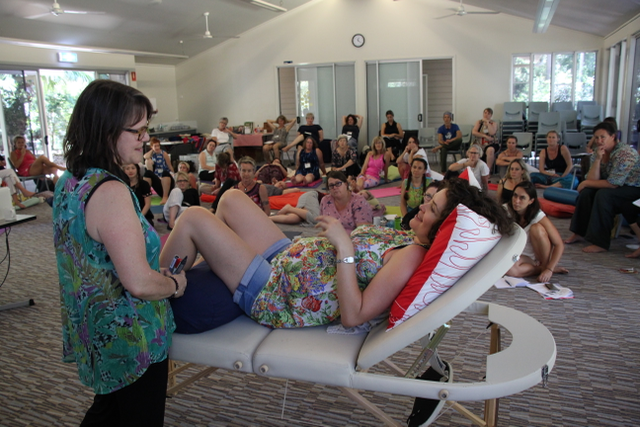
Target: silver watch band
347,260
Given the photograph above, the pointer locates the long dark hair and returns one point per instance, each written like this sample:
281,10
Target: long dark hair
138,174
460,191
424,179
103,109
532,210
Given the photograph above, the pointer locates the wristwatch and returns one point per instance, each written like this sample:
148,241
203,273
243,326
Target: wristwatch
347,260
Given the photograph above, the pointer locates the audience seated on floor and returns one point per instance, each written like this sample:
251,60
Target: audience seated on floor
309,163
375,167
479,168
544,248
180,198
141,189
516,173
351,209
555,165
225,169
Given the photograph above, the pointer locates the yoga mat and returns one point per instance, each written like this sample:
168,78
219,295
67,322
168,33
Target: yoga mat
393,210
314,184
155,200
384,192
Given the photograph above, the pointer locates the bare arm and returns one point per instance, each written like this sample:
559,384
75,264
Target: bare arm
321,161
360,120
356,306
264,200
543,166
557,249
168,160
564,151
499,191
400,131
299,138
111,220
289,125
455,166
321,135
476,130
17,160
403,202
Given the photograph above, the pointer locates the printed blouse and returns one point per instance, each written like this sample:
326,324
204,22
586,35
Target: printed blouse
111,335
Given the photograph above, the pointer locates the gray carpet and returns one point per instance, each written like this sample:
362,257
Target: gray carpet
595,381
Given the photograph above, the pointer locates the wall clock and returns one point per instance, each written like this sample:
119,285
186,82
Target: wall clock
358,40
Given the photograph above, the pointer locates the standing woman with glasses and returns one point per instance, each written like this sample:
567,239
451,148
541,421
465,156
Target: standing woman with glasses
116,319
180,198
352,210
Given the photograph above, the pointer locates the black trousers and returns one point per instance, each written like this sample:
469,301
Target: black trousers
138,404
596,209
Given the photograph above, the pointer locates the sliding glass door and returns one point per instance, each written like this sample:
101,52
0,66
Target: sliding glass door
395,86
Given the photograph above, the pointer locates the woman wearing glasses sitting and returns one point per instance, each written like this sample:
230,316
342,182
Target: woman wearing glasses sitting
180,199
352,210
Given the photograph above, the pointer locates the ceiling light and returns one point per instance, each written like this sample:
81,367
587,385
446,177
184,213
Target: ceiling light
269,6
544,15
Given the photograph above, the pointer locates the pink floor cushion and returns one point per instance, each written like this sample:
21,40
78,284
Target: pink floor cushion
463,239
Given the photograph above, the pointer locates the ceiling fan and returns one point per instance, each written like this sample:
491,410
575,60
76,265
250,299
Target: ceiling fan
460,11
57,10
207,33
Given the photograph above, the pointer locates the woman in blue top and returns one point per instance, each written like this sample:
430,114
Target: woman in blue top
116,320
309,163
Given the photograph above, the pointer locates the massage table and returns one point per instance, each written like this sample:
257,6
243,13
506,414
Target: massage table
343,361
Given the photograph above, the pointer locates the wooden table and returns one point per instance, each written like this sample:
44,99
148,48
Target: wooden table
250,145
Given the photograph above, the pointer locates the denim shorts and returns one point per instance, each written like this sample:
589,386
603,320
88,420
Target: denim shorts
256,276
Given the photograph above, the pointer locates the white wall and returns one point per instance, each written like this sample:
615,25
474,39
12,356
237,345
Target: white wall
238,78
159,82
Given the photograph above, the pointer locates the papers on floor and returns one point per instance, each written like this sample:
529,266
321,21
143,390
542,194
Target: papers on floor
546,290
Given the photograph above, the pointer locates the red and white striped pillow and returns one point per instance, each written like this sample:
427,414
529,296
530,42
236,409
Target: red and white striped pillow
464,239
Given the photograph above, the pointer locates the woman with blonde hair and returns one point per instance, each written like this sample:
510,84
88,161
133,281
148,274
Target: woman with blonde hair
375,164
180,198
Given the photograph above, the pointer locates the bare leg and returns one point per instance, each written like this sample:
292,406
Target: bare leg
573,239
173,214
524,267
224,251
276,151
490,158
23,190
542,248
298,179
359,184
166,189
246,219
265,152
636,230
286,218
309,178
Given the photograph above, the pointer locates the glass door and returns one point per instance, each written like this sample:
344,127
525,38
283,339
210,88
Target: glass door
61,89
395,86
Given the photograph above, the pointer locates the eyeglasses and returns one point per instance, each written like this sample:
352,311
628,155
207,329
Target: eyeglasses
182,180
427,197
141,132
335,185
473,152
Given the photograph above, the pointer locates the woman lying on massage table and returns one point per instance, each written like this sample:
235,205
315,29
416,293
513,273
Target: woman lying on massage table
282,284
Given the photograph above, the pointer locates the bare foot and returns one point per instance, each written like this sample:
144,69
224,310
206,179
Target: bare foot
541,186
634,254
593,249
574,238
560,270
28,194
21,206
435,149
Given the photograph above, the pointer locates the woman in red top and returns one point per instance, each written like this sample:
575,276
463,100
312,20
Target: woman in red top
28,164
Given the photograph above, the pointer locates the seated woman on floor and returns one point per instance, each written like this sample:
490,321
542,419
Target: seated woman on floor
413,188
544,245
225,169
431,191
248,184
309,163
480,169
180,198
352,210
411,151
159,170
272,173
141,188
27,164
516,173
555,165
345,158
376,164
315,280
186,168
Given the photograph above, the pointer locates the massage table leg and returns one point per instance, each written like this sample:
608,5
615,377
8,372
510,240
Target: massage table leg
173,386
491,406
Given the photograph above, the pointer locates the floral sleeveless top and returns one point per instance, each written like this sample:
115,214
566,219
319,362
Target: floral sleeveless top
111,335
302,290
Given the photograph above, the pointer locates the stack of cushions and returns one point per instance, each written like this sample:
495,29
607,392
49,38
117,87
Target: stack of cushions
463,239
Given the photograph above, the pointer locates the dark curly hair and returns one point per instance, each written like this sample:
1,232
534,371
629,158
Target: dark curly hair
460,191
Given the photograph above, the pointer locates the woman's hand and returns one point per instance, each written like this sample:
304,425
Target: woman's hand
333,230
545,276
181,278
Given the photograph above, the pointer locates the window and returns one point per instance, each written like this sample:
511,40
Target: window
553,77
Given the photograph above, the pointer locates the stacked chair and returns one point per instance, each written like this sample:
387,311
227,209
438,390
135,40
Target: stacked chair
513,119
535,108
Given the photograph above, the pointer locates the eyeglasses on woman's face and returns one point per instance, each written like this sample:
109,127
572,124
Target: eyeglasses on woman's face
181,180
335,185
140,132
